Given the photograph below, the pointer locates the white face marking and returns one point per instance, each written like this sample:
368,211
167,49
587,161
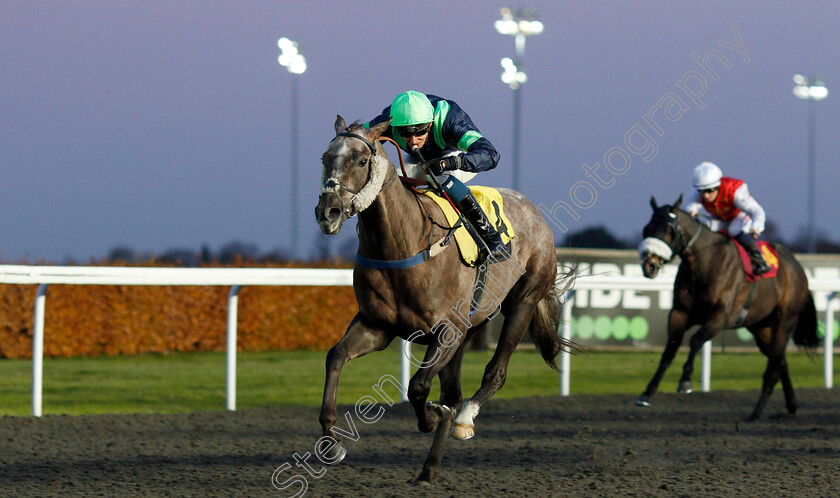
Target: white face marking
340,150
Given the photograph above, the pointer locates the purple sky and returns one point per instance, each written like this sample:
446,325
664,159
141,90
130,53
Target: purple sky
158,124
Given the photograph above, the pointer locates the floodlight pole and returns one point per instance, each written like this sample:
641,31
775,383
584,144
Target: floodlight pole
294,163
519,42
812,89
520,23
812,178
517,113
293,60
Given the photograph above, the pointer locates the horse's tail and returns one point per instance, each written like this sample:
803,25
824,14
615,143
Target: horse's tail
806,327
546,319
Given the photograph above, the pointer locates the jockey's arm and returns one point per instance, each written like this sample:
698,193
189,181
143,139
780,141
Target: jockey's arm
744,201
479,153
480,156
693,204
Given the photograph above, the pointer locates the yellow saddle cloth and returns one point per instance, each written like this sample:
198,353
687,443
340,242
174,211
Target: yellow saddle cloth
490,201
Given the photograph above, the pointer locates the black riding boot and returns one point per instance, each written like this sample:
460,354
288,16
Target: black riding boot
475,215
760,266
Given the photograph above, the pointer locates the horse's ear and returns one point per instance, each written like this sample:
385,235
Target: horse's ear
376,131
677,205
340,125
653,202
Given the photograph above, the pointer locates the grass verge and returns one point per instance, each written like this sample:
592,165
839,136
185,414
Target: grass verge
188,382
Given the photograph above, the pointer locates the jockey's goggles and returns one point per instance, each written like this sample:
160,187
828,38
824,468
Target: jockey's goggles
413,130
708,190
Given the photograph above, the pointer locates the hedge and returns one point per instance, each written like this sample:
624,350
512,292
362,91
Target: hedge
90,320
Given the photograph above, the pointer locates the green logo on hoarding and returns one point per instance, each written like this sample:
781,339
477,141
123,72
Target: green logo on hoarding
639,328
621,328
834,333
583,327
603,328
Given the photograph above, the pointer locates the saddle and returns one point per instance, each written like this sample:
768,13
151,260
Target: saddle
768,252
490,201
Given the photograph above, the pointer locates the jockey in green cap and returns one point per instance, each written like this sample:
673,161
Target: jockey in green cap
446,135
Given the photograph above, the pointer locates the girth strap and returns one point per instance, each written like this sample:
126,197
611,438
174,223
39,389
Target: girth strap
401,264
745,310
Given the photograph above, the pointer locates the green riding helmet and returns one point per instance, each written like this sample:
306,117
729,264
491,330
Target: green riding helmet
411,108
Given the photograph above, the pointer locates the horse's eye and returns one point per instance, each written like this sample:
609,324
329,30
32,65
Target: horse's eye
363,162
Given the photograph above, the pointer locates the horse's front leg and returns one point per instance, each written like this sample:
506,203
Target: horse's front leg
359,340
439,352
450,397
711,328
678,323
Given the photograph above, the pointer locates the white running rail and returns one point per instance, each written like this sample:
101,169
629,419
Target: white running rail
43,276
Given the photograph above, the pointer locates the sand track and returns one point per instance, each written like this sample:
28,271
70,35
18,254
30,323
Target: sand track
582,446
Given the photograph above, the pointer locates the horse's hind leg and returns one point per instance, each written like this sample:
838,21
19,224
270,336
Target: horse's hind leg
517,318
677,325
787,387
359,340
772,341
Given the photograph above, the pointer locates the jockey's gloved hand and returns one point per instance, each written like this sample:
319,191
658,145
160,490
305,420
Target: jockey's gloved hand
441,164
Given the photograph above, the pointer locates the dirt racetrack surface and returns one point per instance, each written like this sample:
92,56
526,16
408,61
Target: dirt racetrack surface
683,445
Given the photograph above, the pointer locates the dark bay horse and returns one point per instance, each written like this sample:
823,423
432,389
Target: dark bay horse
429,303
712,291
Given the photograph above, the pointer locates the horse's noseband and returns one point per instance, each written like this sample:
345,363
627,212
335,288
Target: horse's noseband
332,186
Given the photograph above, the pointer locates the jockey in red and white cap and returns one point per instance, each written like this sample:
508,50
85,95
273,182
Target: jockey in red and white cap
729,206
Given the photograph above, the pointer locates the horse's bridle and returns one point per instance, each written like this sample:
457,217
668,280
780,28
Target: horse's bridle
332,185
674,223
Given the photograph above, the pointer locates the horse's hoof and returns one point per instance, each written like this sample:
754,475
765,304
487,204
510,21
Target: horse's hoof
422,483
442,411
462,432
341,454
642,401
685,387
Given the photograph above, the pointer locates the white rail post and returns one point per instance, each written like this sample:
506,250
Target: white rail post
828,353
38,349
405,368
706,374
565,357
233,303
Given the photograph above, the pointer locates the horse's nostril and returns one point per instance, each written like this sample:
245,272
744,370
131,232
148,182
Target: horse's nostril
333,214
